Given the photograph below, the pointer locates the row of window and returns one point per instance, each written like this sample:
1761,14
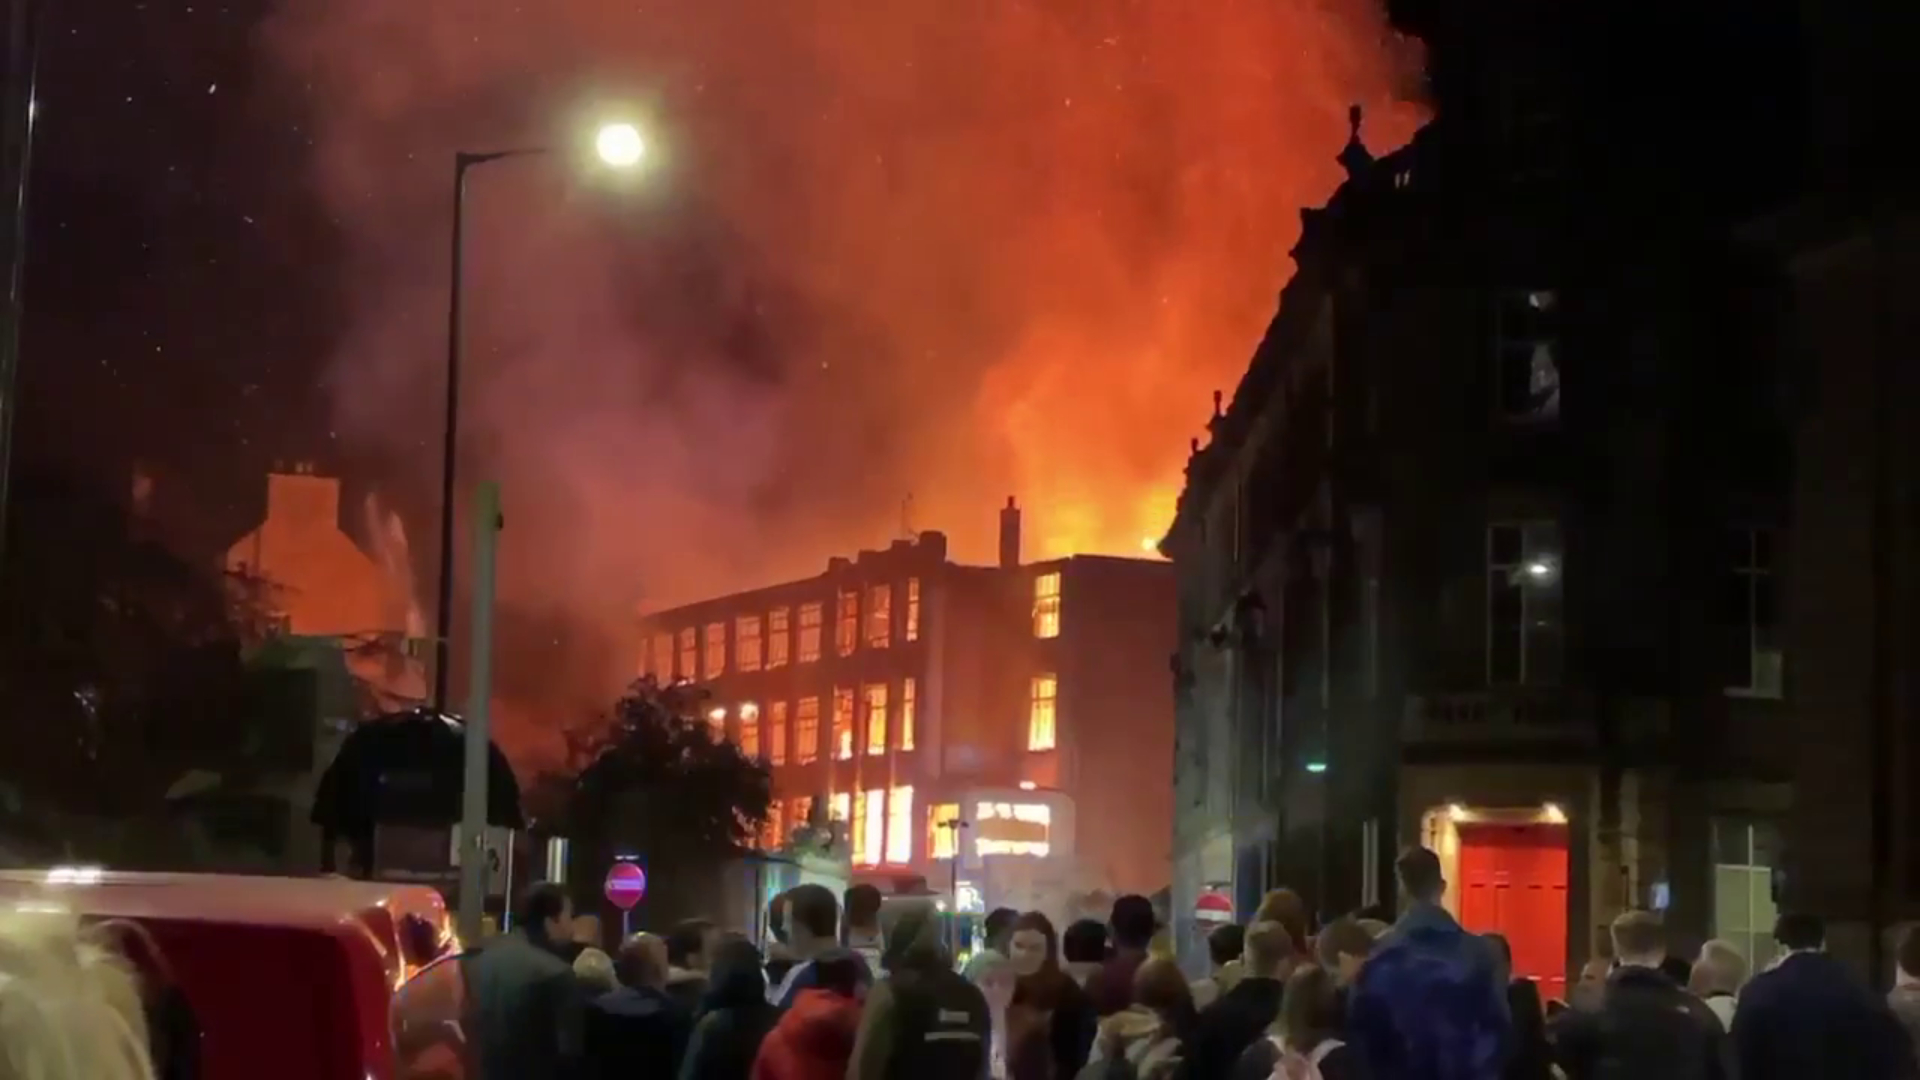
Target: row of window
766,737
880,823
1525,642
783,636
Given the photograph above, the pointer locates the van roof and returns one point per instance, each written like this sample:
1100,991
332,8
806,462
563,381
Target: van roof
315,903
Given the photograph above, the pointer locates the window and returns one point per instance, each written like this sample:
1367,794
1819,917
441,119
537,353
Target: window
750,731
777,639
663,657
777,734
746,642
942,826
1046,606
876,695
846,635
1042,709
903,739
840,809
843,724
1750,616
773,833
859,823
900,826
879,616
1527,365
1523,604
810,615
913,609
716,653
1745,855
689,666
869,825
806,730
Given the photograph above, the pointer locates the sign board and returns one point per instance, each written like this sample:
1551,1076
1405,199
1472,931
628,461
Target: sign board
626,885
1213,907
499,843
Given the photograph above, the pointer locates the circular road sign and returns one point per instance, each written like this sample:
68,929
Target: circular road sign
626,885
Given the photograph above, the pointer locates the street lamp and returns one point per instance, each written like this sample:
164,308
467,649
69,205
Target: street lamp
618,146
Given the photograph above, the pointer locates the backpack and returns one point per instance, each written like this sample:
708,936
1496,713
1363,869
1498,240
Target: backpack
941,1027
1292,1065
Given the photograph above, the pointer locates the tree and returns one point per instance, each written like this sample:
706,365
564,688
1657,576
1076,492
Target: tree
121,665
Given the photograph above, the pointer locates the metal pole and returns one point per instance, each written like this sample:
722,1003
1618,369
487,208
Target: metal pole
24,22
450,443
479,728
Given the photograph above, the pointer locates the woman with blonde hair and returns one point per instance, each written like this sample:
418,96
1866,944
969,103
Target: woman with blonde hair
69,1007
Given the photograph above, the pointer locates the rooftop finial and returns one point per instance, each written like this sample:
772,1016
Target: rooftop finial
1216,404
1354,157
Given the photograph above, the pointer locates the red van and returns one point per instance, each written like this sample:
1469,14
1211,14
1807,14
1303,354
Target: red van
296,978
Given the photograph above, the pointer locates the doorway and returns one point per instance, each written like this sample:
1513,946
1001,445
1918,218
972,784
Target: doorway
1513,882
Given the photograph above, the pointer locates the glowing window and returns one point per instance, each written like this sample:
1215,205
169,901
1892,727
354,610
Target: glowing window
777,638
746,642
900,826
913,609
689,666
716,652
777,733
773,831
943,824
879,616
876,695
1042,711
810,618
840,808
1046,606
869,825
806,730
663,657
846,636
802,815
904,737
843,724
750,731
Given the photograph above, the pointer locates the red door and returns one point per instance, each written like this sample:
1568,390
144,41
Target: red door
1513,882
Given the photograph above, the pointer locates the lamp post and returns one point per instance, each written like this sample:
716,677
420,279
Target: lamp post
617,145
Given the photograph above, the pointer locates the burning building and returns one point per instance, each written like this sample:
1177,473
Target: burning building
961,721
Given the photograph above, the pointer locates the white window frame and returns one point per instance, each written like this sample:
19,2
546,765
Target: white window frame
1530,551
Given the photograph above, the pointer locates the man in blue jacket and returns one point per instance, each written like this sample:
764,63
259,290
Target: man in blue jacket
1809,1016
1429,1003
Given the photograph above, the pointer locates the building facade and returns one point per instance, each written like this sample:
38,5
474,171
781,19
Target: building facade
1484,551
1014,715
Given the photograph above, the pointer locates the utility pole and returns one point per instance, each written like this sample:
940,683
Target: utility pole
474,802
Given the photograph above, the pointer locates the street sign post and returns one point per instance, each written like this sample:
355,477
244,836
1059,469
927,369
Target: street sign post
626,886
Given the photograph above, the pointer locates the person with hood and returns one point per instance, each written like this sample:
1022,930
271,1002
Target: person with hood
522,998
813,934
1084,947
689,948
1050,1022
1133,923
925,1021
1809,1016
1233,1026
636,1030
735,1018
1146,1040
815,1036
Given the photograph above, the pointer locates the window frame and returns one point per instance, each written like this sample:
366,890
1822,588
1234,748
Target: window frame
1047,590
1491,571
745,659
1756,574
779,639
809,634
1047,704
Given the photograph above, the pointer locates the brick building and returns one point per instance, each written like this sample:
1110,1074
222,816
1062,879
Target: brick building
1483,553
1026,702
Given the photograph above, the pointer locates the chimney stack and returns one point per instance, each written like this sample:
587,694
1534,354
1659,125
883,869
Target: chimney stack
1010,535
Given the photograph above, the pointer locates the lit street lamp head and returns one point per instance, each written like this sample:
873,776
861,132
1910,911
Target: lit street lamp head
620,145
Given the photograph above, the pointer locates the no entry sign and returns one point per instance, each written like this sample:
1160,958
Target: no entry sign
626,885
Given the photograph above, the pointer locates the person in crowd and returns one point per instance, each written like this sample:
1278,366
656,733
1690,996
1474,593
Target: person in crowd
862,917
1050,1022
1084,947
814,1038
1146,1040
70,1007
523,1002
636,1030
924,1021
779,953
1133,924
735,1017
993,949
1230,1026
813,925
1904,998
1284,906
690,945
1429,1002
1224,946
1375,928
1647,1025
1341,947
1531,1056
173,1030
582,934
1808,1016
1590,989
1308,1039
1676,968
1716,978
594,969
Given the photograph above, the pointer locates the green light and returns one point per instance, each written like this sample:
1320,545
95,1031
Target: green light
1316,767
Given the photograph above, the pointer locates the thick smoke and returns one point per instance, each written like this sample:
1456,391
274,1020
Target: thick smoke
946,250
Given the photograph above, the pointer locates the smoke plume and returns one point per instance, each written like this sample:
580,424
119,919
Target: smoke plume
947,250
